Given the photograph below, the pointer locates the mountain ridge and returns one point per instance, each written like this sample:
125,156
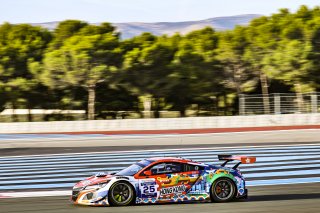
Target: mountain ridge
131,29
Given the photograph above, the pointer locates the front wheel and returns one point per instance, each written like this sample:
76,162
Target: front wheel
121,194
223,190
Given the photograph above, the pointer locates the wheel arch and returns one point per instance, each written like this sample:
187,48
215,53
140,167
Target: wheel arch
233,181
224,175
129,183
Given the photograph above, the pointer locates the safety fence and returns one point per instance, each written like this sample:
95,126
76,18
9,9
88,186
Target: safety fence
279,103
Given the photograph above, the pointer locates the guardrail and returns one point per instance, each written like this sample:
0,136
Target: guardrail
162,123
279,103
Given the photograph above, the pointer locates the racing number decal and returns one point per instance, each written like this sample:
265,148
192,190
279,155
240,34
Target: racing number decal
148,189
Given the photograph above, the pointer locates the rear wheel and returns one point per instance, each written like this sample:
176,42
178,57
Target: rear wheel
121,194
223,190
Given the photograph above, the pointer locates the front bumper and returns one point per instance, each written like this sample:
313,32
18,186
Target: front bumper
89,198
244,195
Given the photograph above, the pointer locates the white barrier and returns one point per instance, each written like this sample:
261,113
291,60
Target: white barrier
162,123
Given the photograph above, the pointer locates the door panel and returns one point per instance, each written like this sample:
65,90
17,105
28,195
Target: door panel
148,190
175,186
168,182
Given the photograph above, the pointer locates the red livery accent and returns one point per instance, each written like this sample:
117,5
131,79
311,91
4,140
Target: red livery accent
243,159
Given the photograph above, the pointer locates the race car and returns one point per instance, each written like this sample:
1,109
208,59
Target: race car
162,180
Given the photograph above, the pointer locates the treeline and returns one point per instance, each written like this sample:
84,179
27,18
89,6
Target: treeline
82,66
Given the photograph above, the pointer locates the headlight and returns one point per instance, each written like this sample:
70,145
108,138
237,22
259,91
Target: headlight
97,186
77,188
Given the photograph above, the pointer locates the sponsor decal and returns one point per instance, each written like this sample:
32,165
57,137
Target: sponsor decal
122,177
173,190
101,174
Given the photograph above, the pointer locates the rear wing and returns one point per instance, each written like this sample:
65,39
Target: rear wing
241,158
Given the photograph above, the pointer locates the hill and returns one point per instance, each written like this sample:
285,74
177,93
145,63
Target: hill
131,29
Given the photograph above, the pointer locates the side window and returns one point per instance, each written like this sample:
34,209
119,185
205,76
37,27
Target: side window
166,168
158,169
189,167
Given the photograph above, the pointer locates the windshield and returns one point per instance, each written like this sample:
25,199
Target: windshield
134,168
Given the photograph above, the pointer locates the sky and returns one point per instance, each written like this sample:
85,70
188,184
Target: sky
39,11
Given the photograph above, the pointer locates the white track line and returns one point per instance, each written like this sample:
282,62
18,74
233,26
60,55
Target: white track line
177,149
35,194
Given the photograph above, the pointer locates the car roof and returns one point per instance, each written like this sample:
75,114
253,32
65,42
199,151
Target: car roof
173,159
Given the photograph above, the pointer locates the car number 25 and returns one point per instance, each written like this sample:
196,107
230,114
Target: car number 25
147,189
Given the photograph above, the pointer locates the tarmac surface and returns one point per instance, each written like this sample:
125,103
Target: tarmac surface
284,198
87,141
61,150
294,197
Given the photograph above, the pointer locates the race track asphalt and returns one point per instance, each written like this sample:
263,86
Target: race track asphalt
274,198
284,198
22,141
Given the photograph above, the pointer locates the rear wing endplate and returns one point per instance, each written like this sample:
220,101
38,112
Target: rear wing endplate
240,158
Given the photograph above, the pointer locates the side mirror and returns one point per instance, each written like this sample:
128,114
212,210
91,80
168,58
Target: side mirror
147,173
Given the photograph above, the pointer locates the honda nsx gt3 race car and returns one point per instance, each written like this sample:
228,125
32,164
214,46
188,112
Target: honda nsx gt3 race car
161,180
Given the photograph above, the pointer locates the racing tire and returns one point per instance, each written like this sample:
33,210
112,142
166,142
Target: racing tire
222,190
121,193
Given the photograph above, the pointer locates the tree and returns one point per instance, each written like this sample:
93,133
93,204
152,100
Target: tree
238,74
290,64
65,30
195,74
263,36
146,69
87,58
20,45
280,46
232,46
